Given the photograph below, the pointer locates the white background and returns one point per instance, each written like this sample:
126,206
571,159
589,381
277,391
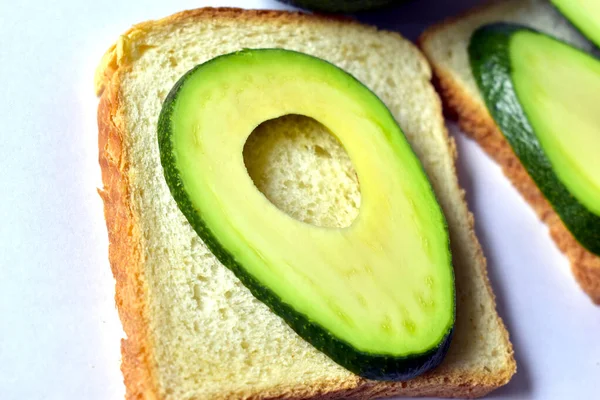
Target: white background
59,329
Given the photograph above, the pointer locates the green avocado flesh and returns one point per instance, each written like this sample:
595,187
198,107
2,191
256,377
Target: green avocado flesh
545,97
584,14
378,296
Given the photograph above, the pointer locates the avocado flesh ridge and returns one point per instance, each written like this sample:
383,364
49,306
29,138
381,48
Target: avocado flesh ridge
584,14
558,87
384,285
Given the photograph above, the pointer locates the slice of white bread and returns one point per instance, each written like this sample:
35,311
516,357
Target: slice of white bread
193,331
446,47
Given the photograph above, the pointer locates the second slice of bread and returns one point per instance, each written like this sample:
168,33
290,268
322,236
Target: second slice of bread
194,331
446,47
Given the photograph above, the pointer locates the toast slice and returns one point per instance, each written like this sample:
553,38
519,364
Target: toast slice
445,45
193,330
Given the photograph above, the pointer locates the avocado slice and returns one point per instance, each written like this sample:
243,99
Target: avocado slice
584,14
544,96
341,6
378,296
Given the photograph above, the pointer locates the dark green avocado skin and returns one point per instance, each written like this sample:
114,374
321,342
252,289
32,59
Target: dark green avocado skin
341,6
491,66
370,366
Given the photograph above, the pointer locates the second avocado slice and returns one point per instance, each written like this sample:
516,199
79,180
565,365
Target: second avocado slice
545,95
378,296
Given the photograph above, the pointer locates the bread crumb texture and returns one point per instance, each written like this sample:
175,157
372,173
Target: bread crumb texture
446,46
194,331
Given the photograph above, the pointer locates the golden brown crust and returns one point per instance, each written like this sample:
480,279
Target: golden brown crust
431,384
125,248
476,121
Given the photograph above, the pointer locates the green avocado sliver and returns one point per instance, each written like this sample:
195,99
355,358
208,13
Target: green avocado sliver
584,14
492,67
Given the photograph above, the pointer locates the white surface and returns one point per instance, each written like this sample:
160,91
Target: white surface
59,330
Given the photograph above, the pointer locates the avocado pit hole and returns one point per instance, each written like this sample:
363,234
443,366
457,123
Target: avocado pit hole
303,170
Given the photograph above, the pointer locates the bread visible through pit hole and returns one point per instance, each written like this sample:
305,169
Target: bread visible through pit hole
302,168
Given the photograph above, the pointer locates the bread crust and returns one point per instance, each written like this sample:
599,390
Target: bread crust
124,249
125,253
476,121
